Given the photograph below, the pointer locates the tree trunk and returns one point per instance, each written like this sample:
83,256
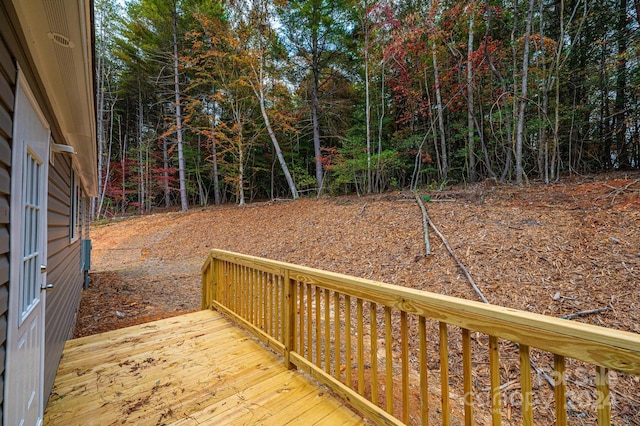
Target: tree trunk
367,99
473,176
100,125
543,157
141,188
315,113
214,159
523,95
380,129
443,142
621,89
503,97
181,163
240,170
165,173
276,146
123,164
555,150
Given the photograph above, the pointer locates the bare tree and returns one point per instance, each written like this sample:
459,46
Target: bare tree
523,95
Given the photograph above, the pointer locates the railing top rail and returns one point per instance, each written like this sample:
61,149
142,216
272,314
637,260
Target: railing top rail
616,349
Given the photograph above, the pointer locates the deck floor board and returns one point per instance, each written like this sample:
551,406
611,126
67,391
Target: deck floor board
194,369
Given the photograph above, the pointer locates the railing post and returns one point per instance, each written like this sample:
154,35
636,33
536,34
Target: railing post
289,318
213,295
206,288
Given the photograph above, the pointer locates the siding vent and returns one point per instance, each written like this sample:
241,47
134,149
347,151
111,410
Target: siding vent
61,40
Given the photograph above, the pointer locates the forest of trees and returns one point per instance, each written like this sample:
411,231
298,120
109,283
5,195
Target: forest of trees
214,101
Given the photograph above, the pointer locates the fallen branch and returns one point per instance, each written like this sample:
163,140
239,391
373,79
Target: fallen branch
542,373
617,190
584,313
425,220
629,270
452,253
362,209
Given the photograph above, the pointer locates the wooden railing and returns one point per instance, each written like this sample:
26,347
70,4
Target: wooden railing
382,347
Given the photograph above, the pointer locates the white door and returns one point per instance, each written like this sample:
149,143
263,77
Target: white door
23,397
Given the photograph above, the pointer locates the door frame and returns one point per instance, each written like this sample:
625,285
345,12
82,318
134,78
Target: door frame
14,317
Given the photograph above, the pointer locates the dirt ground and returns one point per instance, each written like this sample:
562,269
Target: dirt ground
556,250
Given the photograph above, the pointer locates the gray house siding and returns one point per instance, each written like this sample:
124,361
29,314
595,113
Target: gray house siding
63,265
7,87
63,254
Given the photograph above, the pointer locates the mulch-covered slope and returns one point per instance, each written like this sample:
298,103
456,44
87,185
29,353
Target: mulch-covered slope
555,250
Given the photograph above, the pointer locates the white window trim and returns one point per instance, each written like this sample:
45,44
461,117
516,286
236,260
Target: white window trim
74,208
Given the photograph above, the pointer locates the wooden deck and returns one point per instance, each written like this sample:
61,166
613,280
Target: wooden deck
195,369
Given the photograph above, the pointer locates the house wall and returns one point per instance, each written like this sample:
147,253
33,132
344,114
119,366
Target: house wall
63,257
7,90
63,269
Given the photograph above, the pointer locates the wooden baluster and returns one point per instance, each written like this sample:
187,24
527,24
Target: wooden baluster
261,301
525,384
388,344
254,297
467,369
327,332
300,304
444,373
250,301
270,304
318,335
603,397
294,314
220,282
275,309
234,289
256,285
360,348
229,286
347,343
283,302
560,390
289,320
217,281
373,309
337,332
238,284
424,382
309,323
248,293
404,337
274,304
494,369
241,292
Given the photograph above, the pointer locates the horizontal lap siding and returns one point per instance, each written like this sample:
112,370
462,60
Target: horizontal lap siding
63,264
63,257
7,91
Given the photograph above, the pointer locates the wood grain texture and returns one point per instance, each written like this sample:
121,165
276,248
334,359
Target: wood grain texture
560,390
467,373
494,368
193,369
